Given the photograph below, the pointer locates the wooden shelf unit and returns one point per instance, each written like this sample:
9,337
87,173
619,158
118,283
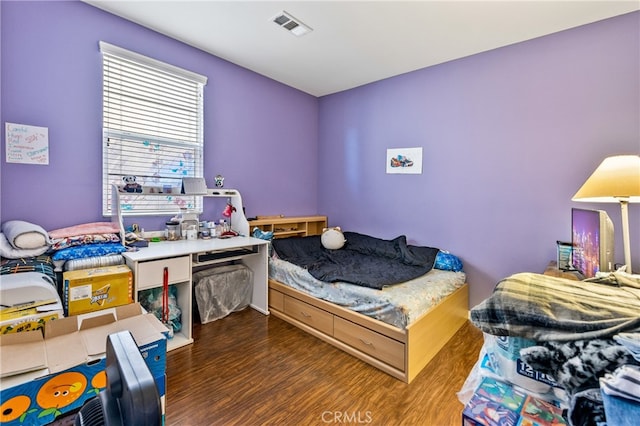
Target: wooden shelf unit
282,227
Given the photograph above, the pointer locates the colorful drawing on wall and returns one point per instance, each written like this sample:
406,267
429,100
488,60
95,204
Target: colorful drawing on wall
26,144
404,160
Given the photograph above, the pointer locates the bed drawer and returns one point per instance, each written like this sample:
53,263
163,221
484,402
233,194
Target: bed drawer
276,300
310,315
381,347
150,274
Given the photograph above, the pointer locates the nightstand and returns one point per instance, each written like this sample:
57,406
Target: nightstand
552,269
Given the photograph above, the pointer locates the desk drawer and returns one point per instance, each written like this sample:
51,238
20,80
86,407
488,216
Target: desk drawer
310,315
385,349
150,274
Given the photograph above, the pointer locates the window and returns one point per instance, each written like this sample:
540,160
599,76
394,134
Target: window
151,129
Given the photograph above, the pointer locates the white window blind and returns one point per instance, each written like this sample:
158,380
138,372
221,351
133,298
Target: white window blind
152,129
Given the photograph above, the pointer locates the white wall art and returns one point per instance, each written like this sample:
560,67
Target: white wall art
26,144
404,160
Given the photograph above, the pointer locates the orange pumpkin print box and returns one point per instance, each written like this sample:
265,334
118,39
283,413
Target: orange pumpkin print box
44,376
89,290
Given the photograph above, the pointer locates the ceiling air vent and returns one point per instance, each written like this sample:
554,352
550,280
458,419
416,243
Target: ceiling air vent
291,24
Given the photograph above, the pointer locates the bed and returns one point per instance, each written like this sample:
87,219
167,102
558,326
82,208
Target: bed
563,340
397,328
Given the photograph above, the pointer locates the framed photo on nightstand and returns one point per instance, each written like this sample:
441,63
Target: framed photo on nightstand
564,256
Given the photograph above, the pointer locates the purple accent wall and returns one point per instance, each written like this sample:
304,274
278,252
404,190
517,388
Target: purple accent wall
260,134
508,137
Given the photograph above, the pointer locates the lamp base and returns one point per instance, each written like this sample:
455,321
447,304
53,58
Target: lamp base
624,210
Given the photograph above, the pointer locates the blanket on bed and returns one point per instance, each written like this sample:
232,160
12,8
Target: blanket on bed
545,308
364,260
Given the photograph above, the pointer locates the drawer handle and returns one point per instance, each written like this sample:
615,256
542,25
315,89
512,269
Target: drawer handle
304,314
366,343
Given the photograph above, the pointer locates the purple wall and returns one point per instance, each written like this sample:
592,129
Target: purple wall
52,77
508,137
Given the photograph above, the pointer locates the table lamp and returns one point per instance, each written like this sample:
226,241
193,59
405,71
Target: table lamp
616,180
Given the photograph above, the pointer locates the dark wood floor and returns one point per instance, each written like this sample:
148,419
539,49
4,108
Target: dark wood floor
252,369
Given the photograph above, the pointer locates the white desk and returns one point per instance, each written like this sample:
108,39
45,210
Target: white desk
181,257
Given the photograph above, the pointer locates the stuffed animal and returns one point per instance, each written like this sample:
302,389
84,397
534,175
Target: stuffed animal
332,238
130,184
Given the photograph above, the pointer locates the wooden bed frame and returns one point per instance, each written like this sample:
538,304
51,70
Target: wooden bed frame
400,353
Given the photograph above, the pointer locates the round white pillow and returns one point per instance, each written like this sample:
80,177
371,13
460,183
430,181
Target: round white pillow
332,238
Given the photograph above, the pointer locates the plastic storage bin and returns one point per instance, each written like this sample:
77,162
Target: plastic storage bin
222,290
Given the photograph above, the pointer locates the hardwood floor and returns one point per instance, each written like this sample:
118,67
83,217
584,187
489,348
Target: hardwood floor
252,369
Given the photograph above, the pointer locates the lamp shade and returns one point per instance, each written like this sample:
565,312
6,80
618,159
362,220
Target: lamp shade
616,178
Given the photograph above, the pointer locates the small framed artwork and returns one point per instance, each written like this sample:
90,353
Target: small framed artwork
404,160
26,144
565,250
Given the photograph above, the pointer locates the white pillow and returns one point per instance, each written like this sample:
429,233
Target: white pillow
332,238
25,235
30,240
10,252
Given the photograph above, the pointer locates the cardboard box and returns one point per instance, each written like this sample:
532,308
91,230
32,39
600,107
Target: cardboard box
70,358
496,403
89,290
29,316
31,320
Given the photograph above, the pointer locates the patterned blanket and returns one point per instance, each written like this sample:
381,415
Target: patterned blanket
546,308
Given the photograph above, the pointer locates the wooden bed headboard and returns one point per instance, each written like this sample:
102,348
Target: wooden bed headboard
281,226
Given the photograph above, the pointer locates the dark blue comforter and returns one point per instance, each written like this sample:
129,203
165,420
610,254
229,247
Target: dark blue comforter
364,260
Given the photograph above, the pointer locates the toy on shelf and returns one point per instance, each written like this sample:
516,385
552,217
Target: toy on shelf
130,184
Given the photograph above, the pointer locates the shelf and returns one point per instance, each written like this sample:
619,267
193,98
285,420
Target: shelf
211,192
288,233
220,256
238,220
291,226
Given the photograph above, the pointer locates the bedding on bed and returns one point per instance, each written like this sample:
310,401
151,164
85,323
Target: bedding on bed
544,308
398,305
364,260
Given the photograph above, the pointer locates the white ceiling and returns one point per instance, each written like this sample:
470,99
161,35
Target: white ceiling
356,42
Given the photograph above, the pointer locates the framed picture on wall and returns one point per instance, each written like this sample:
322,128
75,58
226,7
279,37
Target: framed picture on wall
404,160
